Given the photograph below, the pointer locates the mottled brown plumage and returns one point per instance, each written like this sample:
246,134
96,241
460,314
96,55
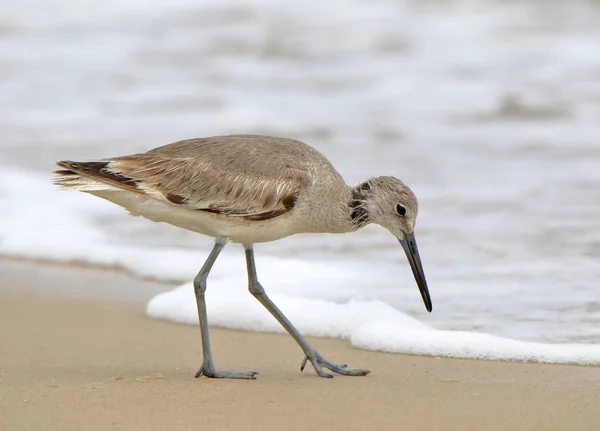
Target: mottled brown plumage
257,179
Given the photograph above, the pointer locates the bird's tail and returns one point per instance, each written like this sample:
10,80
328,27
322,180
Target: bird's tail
85,176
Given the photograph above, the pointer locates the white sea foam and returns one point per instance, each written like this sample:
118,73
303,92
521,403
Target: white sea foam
368,324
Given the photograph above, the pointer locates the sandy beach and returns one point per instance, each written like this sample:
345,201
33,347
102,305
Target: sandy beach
77,352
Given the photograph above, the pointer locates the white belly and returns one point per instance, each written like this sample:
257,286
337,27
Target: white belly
236,229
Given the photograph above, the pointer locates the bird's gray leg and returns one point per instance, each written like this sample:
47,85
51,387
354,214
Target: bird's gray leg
208,367
312,355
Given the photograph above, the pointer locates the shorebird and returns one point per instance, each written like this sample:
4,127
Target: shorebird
249,189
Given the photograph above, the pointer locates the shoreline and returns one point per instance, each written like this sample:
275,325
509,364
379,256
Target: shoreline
89,363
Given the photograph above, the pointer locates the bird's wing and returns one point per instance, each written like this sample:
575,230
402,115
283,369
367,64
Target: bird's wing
235,177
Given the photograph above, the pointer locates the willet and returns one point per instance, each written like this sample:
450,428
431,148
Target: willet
249,189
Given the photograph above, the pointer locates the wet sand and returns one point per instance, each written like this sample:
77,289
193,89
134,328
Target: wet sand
70,360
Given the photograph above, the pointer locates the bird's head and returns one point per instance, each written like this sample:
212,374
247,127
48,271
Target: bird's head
389,202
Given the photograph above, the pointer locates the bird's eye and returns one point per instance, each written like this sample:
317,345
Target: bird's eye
365,186
400,210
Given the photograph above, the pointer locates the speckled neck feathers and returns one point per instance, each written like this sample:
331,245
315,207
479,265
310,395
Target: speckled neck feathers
359,214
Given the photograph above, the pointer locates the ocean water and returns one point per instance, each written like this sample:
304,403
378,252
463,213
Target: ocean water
489,110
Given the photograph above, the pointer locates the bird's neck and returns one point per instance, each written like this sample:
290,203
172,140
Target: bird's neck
357,208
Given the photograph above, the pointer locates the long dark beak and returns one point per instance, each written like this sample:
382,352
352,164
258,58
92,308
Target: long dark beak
409,244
